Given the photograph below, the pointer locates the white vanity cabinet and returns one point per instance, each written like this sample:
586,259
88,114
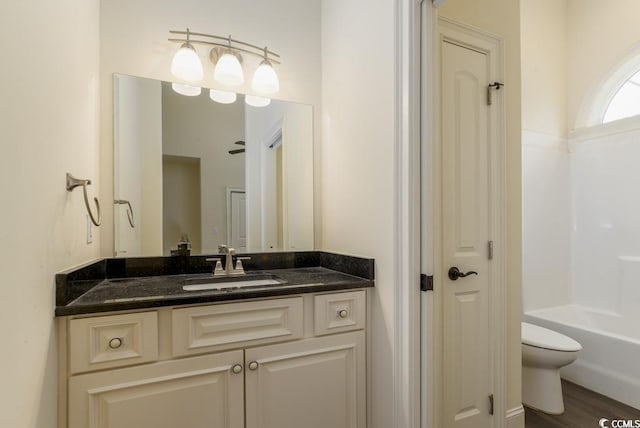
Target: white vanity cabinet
189,393
315,383
290,362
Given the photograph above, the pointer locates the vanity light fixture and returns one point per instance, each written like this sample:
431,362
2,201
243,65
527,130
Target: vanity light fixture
265,80
255,101
222,97
186,64
188,90
228,70
226,55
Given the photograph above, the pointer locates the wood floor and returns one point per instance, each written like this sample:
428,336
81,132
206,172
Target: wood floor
583,409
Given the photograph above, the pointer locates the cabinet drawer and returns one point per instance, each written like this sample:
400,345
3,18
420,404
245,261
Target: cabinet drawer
339,312
232,325
112,341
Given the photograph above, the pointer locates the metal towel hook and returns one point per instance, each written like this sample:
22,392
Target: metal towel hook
129,210
72,183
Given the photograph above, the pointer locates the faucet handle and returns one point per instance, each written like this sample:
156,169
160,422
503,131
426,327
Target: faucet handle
239,268
217,269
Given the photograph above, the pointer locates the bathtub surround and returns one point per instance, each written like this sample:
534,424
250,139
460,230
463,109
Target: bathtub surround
546,221
605,253
605,177
593,298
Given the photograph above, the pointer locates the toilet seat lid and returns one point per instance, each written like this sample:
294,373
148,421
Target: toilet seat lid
540,337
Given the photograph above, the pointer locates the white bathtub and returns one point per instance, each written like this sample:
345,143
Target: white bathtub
610,360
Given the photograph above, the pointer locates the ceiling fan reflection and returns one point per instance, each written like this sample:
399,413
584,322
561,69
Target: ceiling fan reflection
236,151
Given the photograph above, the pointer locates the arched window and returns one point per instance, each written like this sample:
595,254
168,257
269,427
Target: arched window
615,97
626,102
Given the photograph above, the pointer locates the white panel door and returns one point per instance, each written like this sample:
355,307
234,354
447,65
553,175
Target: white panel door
315,383
193,392
238,220
465,221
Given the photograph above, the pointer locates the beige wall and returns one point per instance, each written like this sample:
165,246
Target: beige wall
502,17
49,126
133,40
572,47
600,36
181,203
544,66
358,164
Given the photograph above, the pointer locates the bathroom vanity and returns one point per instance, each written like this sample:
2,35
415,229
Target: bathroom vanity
137,349
273,339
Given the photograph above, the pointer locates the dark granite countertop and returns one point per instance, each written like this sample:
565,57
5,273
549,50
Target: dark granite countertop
138,283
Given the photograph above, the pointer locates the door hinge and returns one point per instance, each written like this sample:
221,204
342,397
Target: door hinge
490,250
491,404
496,86
426,282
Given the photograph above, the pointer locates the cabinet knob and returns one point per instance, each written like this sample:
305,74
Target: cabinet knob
343,313
115,343
237,369
253,365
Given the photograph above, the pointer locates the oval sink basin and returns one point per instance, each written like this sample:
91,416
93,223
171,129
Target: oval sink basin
226,283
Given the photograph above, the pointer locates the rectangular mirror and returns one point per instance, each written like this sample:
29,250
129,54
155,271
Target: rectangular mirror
187,168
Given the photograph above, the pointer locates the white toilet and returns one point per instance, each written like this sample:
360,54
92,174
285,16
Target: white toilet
544,352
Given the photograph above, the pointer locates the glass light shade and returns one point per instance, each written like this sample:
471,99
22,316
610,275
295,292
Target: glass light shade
222,97
188,90
254,101
265,80
229,71
186,64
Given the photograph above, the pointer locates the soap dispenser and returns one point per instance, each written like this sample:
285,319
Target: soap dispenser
184,247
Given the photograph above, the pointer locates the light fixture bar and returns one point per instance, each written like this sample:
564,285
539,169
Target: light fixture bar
226,39
226,46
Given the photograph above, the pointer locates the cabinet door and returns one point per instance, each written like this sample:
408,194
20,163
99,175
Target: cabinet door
314,383
193,392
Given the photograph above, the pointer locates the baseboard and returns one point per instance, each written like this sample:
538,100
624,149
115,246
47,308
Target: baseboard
515,417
